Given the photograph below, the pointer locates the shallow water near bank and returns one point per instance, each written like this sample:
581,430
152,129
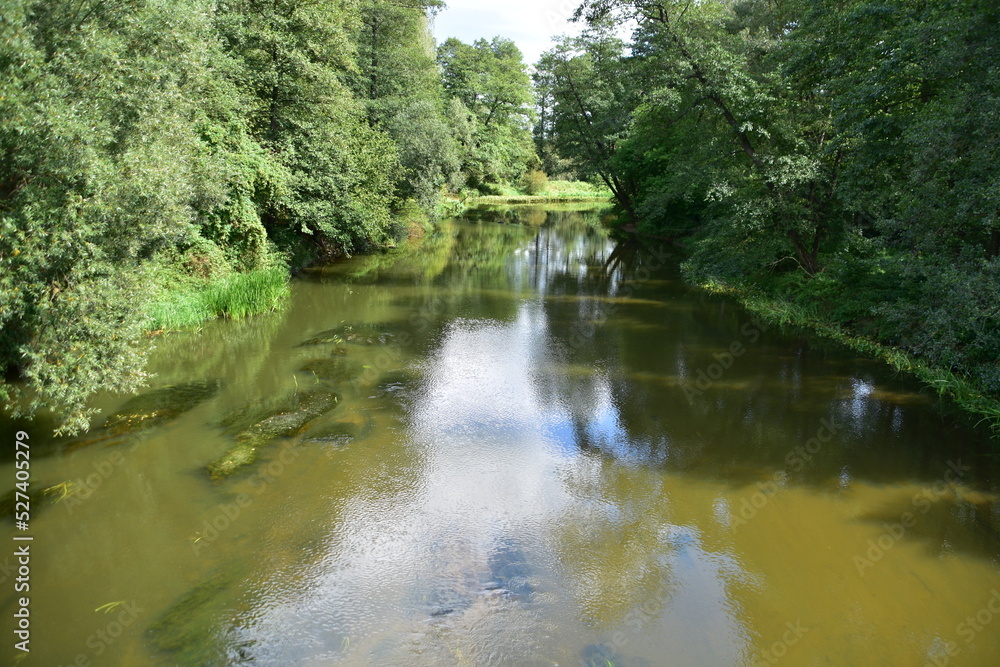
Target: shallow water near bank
515,444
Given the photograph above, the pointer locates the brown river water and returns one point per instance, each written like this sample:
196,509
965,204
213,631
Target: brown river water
512,444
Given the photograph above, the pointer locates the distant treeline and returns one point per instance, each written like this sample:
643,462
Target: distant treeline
156,146
839,159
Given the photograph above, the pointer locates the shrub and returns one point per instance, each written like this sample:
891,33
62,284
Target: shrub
535,182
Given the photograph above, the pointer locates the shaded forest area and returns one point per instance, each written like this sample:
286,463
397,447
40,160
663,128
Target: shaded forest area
833,163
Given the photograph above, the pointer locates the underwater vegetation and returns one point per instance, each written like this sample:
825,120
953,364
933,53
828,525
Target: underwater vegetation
258,425
189,629
333,369
355,333
351,428
146,411
38,498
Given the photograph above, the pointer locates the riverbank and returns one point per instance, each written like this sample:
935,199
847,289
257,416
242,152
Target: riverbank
183,304
544,192
500,200
775,308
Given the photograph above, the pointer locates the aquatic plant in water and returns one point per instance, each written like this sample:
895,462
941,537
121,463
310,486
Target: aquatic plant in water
38,498
145,411
355,333
257,426
333,369
189,630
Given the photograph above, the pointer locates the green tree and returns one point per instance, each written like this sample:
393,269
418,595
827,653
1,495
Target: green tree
399,82
589,104
292,58
494,120
772,170
913,104
102,167
140,134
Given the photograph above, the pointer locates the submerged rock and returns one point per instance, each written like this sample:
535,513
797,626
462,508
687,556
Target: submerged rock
444,601
279,418
338,434
333,369
601,655
189,629
145,411
352,427
256,426
469,588
159,406
509,572
234,459
355,333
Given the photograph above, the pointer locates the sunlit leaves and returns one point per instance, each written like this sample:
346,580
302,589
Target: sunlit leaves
492,123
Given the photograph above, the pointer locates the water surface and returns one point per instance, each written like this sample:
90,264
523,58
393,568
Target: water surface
544,450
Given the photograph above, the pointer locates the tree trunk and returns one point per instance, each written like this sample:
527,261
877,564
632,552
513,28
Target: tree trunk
808,256
272,130
373,74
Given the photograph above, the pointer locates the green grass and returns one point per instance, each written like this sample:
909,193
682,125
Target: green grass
532,199
500,190
574,189
184,304
554,191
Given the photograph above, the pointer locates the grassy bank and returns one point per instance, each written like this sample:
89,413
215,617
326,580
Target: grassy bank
774,308
182,302
531,199
543,192
549,192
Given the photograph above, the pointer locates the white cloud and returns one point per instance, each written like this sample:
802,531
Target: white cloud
530,23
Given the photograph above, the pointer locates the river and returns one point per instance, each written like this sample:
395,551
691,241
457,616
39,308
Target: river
513,444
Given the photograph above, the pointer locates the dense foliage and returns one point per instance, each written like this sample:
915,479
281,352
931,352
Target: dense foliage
490,107
162,162
840,155
398,81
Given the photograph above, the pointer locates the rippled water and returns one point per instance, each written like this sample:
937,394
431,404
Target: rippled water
543,451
